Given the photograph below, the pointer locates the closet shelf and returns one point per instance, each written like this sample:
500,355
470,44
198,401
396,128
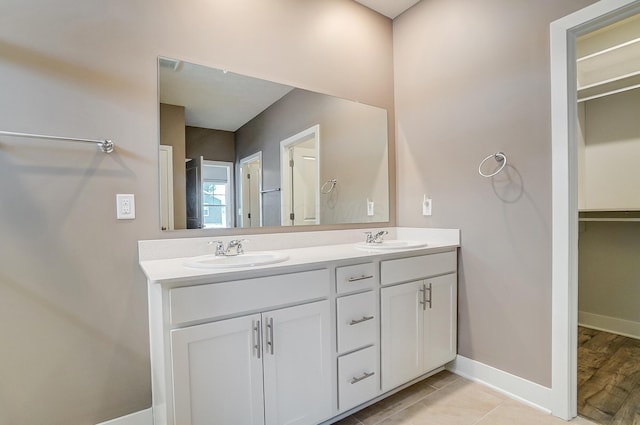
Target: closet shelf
609,60
609,87
609,216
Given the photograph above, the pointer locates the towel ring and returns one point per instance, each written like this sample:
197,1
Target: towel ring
500,157
328,186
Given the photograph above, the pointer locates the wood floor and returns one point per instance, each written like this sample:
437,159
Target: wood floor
608,377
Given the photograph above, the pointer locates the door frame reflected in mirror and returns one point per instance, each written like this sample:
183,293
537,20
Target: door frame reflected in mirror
250,191
296,181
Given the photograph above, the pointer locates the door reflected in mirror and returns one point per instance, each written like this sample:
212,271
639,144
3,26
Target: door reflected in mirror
238,151
300,167
250,209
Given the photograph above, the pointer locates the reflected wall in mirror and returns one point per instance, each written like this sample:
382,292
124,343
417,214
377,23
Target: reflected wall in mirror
237,151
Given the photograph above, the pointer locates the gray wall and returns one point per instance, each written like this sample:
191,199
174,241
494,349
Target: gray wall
352,150
214,145
73,304
472,78
172,133
609,269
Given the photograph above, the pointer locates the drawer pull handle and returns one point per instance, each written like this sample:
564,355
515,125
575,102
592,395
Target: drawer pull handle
365,376
363,277
364,319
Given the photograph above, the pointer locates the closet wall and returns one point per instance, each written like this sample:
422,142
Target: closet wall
609,241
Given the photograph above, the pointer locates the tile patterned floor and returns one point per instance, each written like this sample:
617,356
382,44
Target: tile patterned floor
447,399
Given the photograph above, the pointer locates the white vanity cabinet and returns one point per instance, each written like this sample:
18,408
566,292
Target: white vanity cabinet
297,365
219,368
298,344
217,376
253,351
418,316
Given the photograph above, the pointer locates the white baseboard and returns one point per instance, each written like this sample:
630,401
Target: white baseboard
609,324
143,417
530,393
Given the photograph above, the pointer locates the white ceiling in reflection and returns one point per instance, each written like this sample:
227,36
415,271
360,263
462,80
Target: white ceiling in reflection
215,99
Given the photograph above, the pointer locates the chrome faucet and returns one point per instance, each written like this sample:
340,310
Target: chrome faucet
377,238
219,248
234,247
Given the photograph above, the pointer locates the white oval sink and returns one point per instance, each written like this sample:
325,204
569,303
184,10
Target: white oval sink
250,259
392,244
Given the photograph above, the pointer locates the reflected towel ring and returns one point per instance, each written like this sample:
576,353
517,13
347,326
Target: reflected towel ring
330,184
500,157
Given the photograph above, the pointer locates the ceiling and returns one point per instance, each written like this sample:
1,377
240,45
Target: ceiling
214,98
388,8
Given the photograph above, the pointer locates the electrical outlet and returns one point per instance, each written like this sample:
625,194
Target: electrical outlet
125,206
370,206
426,206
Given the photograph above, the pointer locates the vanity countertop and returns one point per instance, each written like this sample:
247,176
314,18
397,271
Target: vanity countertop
173,270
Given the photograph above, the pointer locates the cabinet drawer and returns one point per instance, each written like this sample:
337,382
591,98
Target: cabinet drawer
353,278
412,268
357,321
358,378
219,299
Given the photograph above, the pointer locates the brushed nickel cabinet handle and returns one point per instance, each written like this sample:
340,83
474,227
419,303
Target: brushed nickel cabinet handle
270,335
363,277
360,378
364,319
257,334
430,289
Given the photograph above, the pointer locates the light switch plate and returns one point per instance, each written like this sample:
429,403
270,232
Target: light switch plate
125,206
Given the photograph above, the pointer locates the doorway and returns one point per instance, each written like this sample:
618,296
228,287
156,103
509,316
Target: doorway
250,208
565,191
300,173
209,188
608,74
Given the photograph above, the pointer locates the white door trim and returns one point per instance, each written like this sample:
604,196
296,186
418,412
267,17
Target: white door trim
169,178
565,192
243,161
284,145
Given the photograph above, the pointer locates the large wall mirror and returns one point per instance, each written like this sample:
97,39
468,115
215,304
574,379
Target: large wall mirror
237,151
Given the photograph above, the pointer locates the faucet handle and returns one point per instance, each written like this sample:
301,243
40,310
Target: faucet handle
240,247
369,237
378,237
237,244
219,247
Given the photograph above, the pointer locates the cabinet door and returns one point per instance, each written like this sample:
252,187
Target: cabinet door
440,321
217,373
297,365
402,334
